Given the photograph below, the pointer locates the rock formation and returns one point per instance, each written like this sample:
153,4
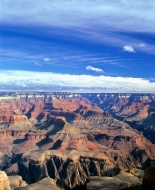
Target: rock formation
47,183
135,109
71,137
120,181
16,181
4,182
149,177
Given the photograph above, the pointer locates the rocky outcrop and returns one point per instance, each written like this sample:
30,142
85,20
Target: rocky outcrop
12,133
47,183
66,105
137,172
36,110
70,116
4,182
12,118
15,122
68,172
16,181
120,181
34,136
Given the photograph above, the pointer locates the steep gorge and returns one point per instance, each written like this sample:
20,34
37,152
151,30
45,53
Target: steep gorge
72,138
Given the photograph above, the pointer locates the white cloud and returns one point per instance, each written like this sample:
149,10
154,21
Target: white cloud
40,81
94,69
46,59
38,64
125,15
142,45
86,20
129,49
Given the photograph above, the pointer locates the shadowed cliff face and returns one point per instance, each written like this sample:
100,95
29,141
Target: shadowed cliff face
72,138
149,178
69,172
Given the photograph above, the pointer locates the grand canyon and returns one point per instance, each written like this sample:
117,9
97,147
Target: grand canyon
77,141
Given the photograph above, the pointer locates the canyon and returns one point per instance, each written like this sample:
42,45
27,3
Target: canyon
75,139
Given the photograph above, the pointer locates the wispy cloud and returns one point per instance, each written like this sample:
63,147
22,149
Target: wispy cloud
99,21
63,33
128,48
142,45
37,64
46,59
125,15
98,70
13,80
58,57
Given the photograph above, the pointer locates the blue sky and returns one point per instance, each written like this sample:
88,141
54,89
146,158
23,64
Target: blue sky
73,45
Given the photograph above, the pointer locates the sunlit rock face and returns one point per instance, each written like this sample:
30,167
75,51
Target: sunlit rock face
47,183
16,181
4,182
123,180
